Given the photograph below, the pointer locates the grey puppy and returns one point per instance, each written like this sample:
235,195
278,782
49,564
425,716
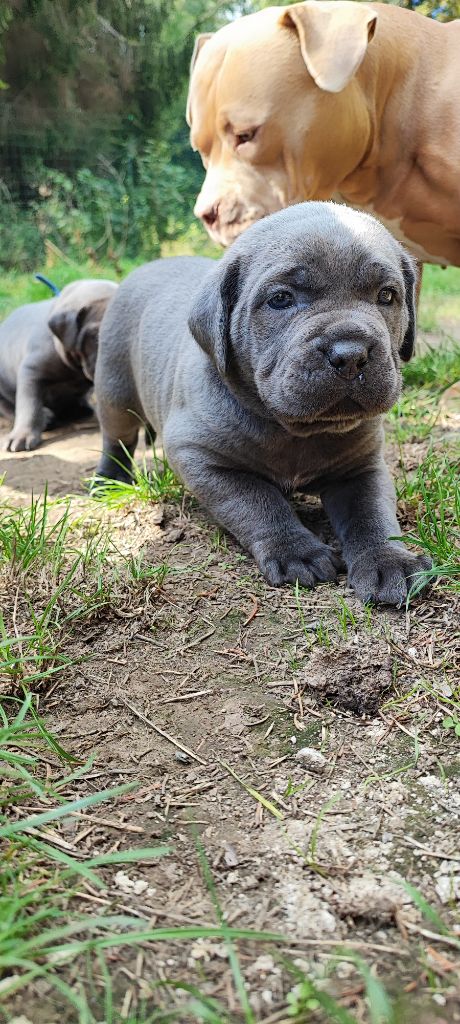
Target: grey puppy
47,359
268,373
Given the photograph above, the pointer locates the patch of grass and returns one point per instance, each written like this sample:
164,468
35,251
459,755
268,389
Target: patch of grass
309,1000
219,540
141,573
440,298
151,482
28,537
46,582
57,573
415,415
323,636
233,958
435,370
29,658
432,493
18,289
35,922
447,701
39,934
345,616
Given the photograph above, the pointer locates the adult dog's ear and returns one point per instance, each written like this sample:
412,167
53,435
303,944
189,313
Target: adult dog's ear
209,318
409,269
333,38
199,43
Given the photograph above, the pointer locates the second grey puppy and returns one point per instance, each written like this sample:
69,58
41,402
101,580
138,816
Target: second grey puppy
47,359
269,372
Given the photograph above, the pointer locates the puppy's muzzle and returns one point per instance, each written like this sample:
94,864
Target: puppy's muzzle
348,358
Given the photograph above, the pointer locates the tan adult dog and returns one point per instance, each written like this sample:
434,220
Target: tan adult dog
331,99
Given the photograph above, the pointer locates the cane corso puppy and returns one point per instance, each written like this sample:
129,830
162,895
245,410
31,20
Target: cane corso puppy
47,360
267,373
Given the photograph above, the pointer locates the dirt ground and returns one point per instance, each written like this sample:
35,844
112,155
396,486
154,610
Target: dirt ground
330,721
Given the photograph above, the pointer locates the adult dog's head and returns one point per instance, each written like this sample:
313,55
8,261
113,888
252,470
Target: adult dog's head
307,316
276,111
75,322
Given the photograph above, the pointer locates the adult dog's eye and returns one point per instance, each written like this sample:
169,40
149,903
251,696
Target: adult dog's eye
386,296
281,300
242,137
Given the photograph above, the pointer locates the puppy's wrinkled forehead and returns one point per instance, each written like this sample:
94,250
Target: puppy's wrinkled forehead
319,244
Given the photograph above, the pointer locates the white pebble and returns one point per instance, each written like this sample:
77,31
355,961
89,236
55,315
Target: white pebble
312,758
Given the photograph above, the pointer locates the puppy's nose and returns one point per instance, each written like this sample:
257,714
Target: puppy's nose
210,215
348,358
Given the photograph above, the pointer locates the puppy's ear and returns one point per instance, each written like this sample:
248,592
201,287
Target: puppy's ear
409,269
333,38
199,43
66,325
209,318
88,342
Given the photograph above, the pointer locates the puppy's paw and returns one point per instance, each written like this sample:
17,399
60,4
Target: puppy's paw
23,441
108,470
49,419
385,574
299,556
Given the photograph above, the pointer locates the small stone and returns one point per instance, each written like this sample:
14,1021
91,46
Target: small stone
139,886
439,999
264,964
129,886
345,970
430,781
312,758
230,855
448,888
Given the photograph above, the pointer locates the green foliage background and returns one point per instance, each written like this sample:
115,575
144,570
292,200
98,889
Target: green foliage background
95,159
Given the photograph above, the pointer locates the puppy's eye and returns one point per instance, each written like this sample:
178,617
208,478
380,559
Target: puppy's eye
242,137
281,300
386,296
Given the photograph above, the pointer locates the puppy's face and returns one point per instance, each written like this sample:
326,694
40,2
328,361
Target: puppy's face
76,335
308,316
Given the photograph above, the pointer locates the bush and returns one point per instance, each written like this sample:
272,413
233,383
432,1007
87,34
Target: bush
125,210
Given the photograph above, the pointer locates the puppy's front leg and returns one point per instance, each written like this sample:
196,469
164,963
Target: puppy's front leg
362,510
260,518
29,414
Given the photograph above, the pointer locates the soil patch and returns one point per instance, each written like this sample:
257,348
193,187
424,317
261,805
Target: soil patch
232,671
352,680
